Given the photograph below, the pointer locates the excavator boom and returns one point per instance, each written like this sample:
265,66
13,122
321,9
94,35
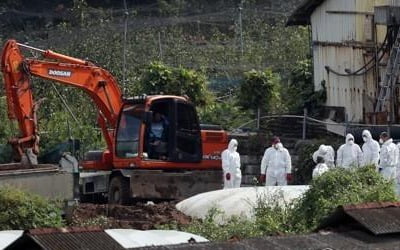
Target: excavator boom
95,81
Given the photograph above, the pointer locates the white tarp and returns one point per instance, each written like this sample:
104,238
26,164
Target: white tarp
8,237
237,201
129,238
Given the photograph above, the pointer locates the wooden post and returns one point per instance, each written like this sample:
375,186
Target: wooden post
304,124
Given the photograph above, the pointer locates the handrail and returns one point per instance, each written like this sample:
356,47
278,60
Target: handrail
317,121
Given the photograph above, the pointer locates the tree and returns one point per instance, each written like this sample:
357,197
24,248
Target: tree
162,79
225,113
258,90
300,93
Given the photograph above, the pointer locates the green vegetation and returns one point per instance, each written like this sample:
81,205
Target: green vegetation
197,48
99,221
259,90
332,189
305,164
340,187
161,79
300,93
21,210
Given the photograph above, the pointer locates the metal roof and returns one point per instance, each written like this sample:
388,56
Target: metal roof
301,15
65,238
131,238
378,218
354,239
9,236
97,238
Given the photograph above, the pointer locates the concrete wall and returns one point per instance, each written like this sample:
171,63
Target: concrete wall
50,183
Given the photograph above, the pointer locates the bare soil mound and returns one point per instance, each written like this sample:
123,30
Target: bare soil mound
137,216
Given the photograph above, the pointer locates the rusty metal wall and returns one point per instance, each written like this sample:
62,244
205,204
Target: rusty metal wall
333,27
344,37
343,90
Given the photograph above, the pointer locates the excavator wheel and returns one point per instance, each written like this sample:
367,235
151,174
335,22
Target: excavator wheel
118,191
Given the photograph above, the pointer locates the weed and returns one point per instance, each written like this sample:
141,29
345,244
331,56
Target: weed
23,210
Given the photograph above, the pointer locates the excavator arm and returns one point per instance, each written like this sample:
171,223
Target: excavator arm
95,81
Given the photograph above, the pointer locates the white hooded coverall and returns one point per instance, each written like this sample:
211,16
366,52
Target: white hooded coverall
276,164
349,154
231,165
319,170
327,153
370,149
388,159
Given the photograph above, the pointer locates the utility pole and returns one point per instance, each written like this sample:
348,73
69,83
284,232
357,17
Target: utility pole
241,29
160,46
198,28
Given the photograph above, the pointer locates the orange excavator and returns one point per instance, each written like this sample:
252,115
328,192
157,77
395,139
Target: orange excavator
189,162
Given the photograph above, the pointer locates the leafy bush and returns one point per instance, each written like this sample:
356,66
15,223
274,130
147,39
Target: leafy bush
162,79
227,114
271,216
300,94
339,187
235,227
5,153
260,89
21,210
305,163
334,188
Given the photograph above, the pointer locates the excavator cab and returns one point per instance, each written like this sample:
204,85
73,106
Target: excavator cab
172,120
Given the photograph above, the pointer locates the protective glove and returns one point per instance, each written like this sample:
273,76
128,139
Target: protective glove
228,176
262,178
289,177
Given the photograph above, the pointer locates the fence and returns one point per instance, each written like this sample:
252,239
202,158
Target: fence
306,127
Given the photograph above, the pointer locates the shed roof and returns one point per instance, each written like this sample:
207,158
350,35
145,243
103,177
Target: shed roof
353,239
301,15
376,217
65,238
97,238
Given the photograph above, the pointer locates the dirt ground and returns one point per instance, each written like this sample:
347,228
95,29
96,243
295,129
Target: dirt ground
137,216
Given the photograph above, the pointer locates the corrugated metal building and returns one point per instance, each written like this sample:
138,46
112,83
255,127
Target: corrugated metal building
344,39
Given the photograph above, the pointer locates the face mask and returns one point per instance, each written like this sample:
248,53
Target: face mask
364,138
351,142
276,146
381,141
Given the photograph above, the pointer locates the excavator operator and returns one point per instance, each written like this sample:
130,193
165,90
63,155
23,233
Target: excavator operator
158,137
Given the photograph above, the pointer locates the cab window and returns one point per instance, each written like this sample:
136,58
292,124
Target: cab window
127,142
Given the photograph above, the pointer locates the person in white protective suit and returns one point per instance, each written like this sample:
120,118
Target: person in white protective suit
276,165
320,168
231,166
397,181
370,150
327,153
349,154
388,157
